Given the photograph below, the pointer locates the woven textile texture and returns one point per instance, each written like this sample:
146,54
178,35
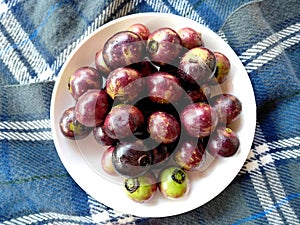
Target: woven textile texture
36,38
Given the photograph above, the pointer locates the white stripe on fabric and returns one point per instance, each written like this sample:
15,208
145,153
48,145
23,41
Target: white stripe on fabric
26,125
27,48
271,54
24,136
43,217
158,6
184,8
267,42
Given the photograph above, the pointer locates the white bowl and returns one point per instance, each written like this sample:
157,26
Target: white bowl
82,158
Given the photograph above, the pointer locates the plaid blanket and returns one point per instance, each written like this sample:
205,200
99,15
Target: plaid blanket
36,37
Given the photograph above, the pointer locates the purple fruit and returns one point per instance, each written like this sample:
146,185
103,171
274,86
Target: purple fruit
227,106
163,88
100,64
173,183
222,68
160,155
141,189
163,46
122,121
122,49
124,83
92,107
223,142
197,65
189,154
102,138
106,161
70,127
131,159
145,67
140,29
197,93
83,79
163,127
190,38
199,119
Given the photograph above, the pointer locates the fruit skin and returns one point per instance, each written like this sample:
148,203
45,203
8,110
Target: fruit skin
197,93
131,159
190,155
163,127
140,29
92,107
222,68
163,45
141,189
122,49
161,155
106,161
223,142
83,79
174,182
124,83
197,65
122,121
163,88
227,106
70,127
190,38
102,138
100,64
199,119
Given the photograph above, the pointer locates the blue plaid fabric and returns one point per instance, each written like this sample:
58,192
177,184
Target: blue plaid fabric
36,37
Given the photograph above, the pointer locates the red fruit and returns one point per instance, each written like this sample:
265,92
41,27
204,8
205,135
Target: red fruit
100,64
190,38
140,29
102,138
222,68
106,161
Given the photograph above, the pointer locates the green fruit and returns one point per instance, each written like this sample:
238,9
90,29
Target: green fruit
141,189
173,182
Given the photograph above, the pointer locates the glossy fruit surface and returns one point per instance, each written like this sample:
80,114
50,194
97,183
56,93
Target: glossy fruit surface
100,64
223,142
163,127
124,83
163,88
140,29
190,38
222,68
131,159
227,106
122,49
102,138
141,189
92,107
174,182
83,79
163,45
122,121
199,119
70,127
106,161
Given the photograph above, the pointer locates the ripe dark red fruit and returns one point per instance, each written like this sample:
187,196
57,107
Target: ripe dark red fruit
222,68
100,64
190,38
140,29
102,138
92,107
83,79
106,161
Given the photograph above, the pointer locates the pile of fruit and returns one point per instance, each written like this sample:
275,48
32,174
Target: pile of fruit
148,99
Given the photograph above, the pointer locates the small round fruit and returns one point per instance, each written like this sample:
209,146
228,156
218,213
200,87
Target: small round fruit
199,119
196,93
163,45
197,65
100,64
222,68
122,49
163,88
131,159
174,182
83,79
124,83
161,155
227,106
106,161
190,38
140,29
141,189
190,155
70,127
122,121
163,127
92,107
223,142
102,138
